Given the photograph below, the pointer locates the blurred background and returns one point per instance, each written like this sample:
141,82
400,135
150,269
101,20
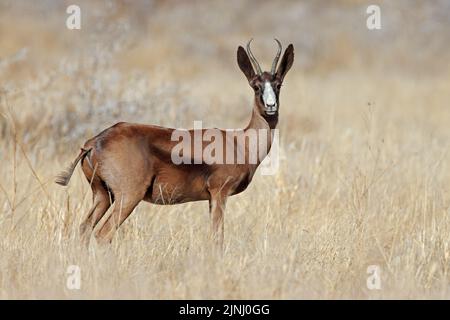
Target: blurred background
168,62
364,174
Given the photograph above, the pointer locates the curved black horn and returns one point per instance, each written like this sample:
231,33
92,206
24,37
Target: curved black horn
277,57
253,59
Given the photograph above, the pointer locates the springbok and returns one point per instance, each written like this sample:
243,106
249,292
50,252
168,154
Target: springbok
127,162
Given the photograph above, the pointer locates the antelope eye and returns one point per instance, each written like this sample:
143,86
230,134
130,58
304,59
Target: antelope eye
278,86
256,88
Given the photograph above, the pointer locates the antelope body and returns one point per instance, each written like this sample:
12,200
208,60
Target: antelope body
128,163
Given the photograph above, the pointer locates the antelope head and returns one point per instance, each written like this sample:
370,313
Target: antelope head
266,85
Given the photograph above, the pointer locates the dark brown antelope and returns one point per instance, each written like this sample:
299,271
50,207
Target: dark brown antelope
128,163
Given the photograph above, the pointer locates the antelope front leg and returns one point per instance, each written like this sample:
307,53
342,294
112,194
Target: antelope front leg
216,210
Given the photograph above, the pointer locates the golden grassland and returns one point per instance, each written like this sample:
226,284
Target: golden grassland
364,175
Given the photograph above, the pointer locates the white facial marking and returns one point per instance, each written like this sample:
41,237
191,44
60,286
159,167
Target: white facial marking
269,98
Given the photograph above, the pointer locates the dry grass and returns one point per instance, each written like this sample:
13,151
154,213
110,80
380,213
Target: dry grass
364,176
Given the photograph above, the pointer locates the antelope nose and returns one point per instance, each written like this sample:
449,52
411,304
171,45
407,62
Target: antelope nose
271,105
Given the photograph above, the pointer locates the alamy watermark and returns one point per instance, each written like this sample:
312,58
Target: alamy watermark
373,281
215,146
373,21
73,21
73,281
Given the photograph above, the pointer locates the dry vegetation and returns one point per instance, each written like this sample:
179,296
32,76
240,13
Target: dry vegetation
365,132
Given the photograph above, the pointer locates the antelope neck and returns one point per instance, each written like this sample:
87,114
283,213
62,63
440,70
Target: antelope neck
260,122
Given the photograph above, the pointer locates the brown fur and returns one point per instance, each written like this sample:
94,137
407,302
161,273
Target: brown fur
64,177
128,163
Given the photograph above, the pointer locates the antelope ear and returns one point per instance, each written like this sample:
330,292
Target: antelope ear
286,62
244,64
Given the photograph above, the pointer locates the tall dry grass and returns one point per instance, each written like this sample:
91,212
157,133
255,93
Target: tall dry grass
364,172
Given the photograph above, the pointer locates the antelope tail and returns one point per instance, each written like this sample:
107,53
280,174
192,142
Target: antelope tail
64,177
